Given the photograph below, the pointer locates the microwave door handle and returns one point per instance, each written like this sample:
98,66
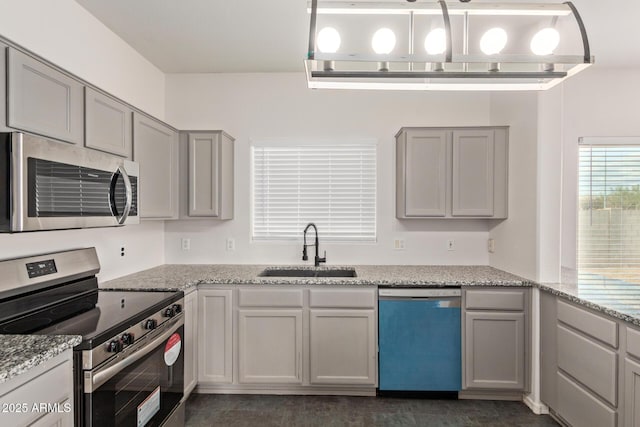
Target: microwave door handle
128,195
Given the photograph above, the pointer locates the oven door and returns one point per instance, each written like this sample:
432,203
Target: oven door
143,388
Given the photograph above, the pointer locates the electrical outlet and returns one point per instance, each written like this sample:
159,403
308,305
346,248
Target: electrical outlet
398,244
451,245
122,251
186,244
491,245
231,244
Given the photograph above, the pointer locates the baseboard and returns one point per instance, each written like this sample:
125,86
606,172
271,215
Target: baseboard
271,389
536,407
490,395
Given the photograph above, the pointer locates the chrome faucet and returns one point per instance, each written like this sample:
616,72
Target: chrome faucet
318,260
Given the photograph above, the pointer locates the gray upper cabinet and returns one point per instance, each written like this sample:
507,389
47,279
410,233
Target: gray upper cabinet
210,172
421,167
452,172
155,148
43,100
3,88
107,124
473,156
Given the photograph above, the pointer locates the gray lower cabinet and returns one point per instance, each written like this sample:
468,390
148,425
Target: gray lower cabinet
210,172
215,336
631,393
49,383
3,88
342,336
107,124
452,172
190,342
495,339
155,148
270,346
43,100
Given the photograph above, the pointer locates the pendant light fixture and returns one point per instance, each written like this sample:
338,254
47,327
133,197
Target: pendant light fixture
440,45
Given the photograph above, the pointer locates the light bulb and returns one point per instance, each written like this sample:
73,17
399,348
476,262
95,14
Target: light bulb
383,42
328,40
436,42
545,41
493,41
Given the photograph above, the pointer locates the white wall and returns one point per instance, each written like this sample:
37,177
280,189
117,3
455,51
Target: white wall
65,34
597,102
515,237
280,105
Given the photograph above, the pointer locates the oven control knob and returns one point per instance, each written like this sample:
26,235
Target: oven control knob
177,308
127,338
169,312
114,346
151,324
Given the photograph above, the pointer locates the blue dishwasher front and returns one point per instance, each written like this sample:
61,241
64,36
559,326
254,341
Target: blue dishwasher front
419,340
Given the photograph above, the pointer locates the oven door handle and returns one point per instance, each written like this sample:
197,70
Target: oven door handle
94,379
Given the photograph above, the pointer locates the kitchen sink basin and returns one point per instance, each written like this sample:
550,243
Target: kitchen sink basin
308,272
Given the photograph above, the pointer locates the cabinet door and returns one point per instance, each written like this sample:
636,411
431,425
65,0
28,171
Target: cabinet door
494,350
631,393
43,100
343,347
155,148
190,342
270,346
215,332
108,124
57,419
473,173
422,177
3,88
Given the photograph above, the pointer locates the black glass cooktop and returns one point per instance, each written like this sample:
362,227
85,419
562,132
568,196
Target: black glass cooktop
113,313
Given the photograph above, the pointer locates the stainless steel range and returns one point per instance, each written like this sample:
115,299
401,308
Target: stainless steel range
129,367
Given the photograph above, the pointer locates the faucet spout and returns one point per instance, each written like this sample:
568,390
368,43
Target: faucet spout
317,259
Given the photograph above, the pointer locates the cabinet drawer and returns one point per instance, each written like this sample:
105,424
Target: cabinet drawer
580,408
598,371
591,324
495,299
633,342
270,297
53,386
342,298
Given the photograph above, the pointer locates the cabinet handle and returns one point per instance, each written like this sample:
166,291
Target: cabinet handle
300,365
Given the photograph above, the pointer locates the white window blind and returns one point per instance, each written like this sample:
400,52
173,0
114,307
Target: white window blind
609,208
333,186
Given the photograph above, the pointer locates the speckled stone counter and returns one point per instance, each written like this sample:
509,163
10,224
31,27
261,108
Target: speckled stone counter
19,353
181,277
613,297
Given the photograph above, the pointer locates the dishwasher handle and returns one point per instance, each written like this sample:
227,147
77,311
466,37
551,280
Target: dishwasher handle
422,293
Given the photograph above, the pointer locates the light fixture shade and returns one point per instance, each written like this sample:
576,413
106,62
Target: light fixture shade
451,59
493,41
436,42
545,41
383,41
328,40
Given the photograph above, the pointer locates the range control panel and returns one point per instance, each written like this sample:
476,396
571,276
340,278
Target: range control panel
41,268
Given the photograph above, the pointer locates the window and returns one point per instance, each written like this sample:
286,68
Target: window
609,208
331,185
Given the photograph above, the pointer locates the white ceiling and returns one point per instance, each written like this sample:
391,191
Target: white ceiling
204,36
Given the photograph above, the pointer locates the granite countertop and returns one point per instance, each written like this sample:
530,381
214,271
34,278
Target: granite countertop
183,276
19,353
614,297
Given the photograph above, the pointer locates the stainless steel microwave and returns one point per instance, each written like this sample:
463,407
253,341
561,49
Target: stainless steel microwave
50,185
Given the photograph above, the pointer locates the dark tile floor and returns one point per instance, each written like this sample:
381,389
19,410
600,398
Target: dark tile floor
265,411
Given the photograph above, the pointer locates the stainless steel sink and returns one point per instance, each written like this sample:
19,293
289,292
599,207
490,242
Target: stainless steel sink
308,272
